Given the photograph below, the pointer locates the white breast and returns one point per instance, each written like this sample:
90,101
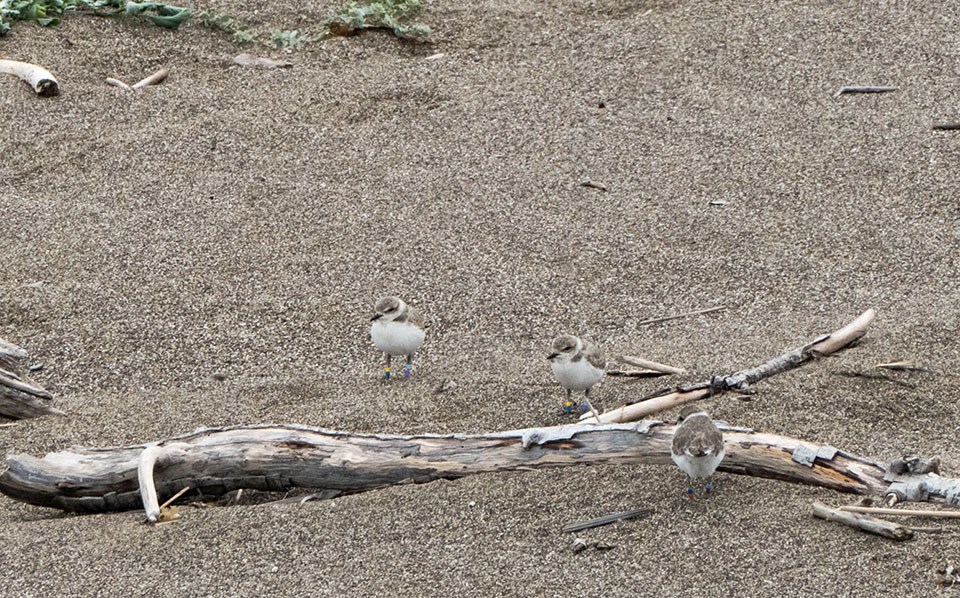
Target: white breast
576,375
698,467
396,338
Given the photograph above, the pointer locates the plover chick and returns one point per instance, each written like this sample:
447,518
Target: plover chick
697,447
397,329
577,366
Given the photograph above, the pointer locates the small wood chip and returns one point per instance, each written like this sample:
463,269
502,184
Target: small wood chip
593,185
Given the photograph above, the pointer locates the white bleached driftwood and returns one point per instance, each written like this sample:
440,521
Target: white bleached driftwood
280,457
871,525
741,381
40,79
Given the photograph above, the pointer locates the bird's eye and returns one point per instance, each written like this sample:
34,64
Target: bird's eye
392,309
568,348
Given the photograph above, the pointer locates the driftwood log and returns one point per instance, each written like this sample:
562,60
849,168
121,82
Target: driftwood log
741,381
279,458
18,398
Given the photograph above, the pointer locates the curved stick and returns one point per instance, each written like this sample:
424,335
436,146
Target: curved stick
39,78
148,490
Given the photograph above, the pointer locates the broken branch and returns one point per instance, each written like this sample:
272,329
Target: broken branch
606,520
683,315
871,525
39,78
741,381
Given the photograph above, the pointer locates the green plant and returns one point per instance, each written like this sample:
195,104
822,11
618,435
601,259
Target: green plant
49,12
394,15
293,39
240,32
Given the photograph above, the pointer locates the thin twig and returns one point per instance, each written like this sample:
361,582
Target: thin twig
879,377
650,365
904,366
635,374
683,315
593,185
183,491
946,127
606,520
863,89
935,530
902,512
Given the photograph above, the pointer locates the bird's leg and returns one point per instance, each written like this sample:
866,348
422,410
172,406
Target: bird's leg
386,370
588,407
690,487
408,368
568,403
708,486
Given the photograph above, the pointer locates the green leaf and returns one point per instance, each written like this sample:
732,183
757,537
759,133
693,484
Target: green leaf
168,17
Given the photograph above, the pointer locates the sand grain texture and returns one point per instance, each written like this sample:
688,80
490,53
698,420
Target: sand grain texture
241,223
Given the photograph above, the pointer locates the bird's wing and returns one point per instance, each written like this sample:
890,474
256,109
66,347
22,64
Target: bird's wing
594,356
414,316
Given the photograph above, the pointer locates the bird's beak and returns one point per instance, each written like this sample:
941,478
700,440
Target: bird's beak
376,317
552,355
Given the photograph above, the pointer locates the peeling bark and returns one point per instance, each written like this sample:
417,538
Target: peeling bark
278,458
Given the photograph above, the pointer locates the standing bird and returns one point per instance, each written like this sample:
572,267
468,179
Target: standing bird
697,447
577,365
397,329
